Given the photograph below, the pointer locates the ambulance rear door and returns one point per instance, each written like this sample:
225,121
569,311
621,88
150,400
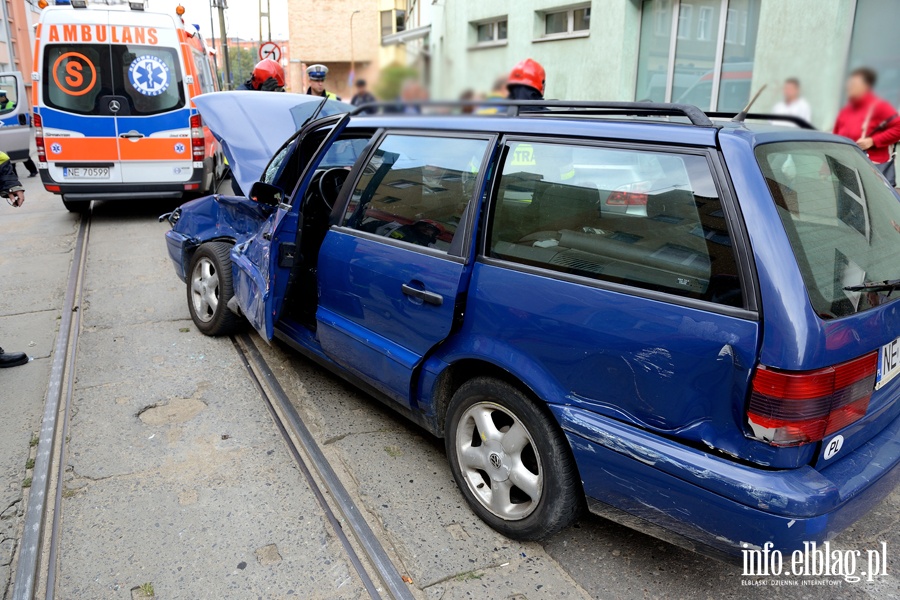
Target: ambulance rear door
76,89
150,102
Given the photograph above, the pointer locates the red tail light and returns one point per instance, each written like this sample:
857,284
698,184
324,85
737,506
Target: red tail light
791,408
39,137
633,194
198,140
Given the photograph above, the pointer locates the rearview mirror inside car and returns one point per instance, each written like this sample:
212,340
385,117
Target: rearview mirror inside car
266,193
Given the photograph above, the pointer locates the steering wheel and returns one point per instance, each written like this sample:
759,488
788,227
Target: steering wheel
330,183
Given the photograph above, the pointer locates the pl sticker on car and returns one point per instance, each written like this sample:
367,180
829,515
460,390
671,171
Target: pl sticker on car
834,446
179,148
149,75
55,148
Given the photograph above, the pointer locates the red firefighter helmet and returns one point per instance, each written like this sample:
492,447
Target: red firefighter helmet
528,72
265,69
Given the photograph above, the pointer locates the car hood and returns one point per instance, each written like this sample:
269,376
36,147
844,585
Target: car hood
252,126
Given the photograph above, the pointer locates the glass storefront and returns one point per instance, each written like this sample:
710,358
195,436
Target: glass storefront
875,44
709,63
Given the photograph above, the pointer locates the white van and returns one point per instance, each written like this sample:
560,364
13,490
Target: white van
114,115
15,133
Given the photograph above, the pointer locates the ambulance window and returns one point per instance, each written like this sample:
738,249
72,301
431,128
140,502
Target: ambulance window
75,76
149,77
204,74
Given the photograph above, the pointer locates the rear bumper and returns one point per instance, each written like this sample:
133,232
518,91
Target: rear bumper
718,505
99,190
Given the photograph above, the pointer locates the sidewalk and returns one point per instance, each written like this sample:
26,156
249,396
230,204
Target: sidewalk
36,241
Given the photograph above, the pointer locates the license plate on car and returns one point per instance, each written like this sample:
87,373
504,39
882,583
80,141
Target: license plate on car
888,363
86,172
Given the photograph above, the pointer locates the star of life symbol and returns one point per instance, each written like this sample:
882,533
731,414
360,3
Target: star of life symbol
179,148
149,75
55,148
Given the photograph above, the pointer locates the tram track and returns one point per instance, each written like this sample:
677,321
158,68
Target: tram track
38,548
38,554
300,442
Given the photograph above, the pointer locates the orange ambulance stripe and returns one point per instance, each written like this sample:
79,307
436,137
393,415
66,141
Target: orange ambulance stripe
94,149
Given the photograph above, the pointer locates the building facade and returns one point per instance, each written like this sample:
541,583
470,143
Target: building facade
343,35
712,53
17,37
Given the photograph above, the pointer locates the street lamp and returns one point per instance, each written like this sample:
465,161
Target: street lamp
352,61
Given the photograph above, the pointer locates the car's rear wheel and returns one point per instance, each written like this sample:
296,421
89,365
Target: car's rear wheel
511,460
77,206
209,288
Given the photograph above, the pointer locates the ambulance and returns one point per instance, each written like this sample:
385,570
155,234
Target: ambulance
113,105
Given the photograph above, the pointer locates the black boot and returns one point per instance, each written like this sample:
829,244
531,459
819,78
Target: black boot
12,359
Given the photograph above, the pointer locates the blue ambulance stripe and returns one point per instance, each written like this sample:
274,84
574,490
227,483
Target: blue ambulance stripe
105,126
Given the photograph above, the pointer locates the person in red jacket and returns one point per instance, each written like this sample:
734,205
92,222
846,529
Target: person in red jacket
869,120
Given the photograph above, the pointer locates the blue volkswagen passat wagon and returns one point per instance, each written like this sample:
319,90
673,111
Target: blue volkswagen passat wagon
686,324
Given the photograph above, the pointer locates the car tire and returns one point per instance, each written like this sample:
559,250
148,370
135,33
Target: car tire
521,445
77,206
209,288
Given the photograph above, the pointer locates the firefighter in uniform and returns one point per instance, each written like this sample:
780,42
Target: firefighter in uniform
267,76
526,82
317,75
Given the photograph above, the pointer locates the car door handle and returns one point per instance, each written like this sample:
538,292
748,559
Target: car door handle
423,295
131,135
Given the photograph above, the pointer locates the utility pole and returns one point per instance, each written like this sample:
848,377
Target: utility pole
264,14
221,5
352,59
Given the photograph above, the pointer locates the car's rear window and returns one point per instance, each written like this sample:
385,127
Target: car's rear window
85,78
842,219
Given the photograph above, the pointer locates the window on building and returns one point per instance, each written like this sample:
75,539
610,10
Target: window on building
705,24
685,21
701,72
875,44
490,32
387,22
650,220
567,22
400,20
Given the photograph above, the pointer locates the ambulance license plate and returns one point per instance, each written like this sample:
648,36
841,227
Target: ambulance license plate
888,363
86,172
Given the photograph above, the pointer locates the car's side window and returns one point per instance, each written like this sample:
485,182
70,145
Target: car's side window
415,188
646,219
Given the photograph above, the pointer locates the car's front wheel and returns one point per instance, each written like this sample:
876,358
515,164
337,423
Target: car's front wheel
209,288
511,461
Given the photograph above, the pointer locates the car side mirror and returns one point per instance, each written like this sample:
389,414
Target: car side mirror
23,119
266,193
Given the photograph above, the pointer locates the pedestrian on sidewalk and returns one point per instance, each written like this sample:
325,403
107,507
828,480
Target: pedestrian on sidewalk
793,104
362,95
11,188
870,121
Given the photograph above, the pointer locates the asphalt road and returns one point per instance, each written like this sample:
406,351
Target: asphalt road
177,476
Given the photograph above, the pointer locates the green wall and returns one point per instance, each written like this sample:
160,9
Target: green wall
807,39
598,67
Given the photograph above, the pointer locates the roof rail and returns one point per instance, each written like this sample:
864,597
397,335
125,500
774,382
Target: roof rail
532,108
801,123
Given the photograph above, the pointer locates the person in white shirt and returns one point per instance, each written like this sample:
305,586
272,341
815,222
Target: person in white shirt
793,105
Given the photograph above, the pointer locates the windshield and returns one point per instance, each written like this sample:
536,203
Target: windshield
842,219
84,78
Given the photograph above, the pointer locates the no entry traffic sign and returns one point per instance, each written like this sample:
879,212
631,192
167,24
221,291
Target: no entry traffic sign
270,50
